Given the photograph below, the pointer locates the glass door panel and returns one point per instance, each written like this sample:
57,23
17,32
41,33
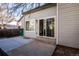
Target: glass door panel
50,27
41,27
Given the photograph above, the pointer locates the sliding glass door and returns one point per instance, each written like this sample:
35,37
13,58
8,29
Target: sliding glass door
46,27
50,27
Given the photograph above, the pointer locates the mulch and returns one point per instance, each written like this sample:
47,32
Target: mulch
65,51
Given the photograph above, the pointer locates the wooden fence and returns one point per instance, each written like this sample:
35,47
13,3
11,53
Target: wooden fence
9,32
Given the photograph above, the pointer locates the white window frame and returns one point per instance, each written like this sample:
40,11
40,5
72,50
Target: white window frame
34,26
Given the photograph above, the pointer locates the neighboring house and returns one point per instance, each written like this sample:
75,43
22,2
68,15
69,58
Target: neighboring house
12,25
60,23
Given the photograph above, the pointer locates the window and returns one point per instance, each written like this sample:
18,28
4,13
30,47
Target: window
27,25
30,25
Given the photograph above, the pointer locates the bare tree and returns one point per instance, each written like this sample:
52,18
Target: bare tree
9,11
4,14
22,7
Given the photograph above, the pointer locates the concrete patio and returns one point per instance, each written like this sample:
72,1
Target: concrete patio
19,46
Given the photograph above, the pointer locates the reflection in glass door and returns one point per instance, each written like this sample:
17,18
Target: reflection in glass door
50,27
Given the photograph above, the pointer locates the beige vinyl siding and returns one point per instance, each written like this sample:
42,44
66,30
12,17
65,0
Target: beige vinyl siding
68,23
42,14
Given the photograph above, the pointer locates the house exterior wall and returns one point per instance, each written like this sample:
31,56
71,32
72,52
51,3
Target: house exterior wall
42,14
68,24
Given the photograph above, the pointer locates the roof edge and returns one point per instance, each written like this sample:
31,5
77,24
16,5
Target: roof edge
40,8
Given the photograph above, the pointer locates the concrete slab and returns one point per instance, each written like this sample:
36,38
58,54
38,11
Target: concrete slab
35,48
8,44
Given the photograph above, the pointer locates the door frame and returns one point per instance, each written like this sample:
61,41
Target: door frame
55,26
